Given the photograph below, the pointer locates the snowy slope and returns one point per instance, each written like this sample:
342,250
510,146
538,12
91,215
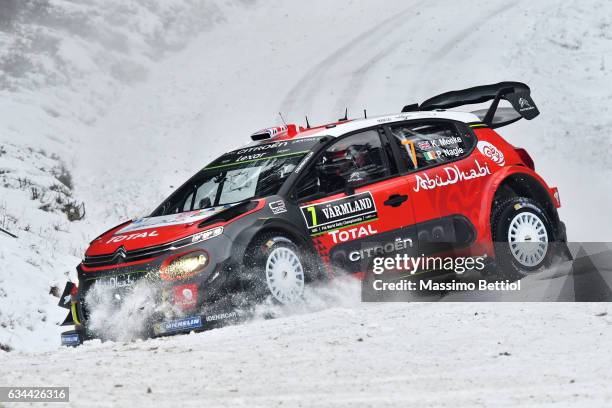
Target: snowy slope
128,141
62,65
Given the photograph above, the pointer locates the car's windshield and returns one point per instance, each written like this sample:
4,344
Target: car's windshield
253,171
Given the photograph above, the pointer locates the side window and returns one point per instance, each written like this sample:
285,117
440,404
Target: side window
357,159
426,144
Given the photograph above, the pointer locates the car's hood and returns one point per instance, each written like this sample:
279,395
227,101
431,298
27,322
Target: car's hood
151,231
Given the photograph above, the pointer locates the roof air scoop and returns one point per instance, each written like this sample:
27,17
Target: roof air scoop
268,133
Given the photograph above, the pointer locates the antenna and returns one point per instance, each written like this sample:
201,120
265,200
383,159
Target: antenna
345,116
307,124
365,114
282,119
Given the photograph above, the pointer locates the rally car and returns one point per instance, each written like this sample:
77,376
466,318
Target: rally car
299,204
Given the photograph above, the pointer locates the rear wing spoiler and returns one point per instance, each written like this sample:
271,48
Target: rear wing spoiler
517,93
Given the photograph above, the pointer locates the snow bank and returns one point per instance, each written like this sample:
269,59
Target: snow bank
62,64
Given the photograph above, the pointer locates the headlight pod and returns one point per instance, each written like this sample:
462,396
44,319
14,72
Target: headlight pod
183,266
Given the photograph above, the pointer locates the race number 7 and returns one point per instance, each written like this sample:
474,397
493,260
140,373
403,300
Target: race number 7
313,215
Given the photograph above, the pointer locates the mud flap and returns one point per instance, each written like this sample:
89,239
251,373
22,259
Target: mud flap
66,298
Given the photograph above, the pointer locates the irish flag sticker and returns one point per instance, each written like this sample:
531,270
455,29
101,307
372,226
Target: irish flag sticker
430,155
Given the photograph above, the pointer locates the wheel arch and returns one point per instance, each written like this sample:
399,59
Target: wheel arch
283,228
523,183
297,236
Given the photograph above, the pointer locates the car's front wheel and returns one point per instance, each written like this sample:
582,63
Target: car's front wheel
276,268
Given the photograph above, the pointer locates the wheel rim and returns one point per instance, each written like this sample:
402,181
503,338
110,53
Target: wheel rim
285,275
528,239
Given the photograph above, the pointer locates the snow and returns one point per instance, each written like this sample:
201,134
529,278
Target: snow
378,355
132,97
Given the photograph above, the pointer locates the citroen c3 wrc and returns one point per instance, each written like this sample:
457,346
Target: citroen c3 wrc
298,204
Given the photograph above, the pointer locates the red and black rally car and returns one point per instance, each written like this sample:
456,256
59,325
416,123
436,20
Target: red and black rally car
299,203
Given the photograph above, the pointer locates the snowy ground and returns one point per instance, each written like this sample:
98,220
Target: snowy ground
409,355
119,95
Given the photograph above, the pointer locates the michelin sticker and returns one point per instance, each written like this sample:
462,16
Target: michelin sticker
339,213
174,326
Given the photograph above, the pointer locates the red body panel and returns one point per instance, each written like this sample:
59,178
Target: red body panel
110,242
468,197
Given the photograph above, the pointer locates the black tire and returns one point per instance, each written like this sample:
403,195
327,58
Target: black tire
263,281
523,237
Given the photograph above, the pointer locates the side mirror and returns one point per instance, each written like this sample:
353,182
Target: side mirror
356,179
349,189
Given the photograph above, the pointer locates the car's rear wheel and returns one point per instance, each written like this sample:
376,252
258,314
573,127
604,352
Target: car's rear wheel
276,269
523,238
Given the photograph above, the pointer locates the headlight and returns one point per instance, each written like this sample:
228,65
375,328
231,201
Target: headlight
183,266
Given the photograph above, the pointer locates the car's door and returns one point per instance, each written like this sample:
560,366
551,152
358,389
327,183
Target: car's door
445,182
353,203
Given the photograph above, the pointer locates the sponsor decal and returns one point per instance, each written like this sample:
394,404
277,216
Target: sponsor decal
453,152
206,235
172,219
352,233
491,152
447,141
186,296
305,160
357,176
342,212
266,151
424,145
398,244
524,105
119,238
221,316
70,339
260,148
451,175
430,155
441,147
173,326
278,207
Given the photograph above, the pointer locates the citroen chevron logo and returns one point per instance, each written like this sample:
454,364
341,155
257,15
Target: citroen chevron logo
120,254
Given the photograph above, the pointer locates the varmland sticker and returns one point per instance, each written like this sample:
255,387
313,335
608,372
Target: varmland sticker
331,215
